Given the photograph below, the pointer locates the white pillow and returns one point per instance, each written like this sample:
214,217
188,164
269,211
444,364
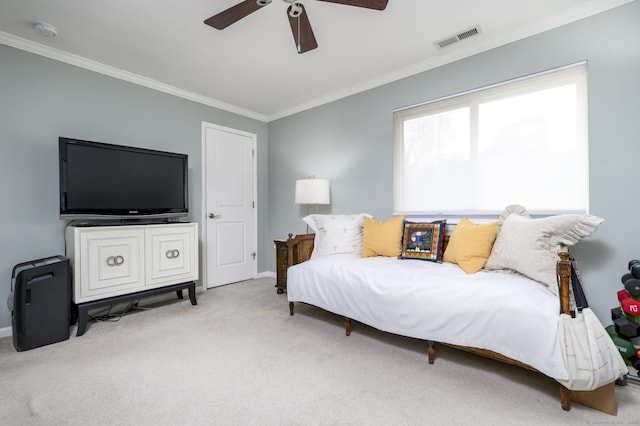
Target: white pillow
531,246
336,233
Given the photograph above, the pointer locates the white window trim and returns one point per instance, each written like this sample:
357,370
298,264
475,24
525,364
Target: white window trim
447,102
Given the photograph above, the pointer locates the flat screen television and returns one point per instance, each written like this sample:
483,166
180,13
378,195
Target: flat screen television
105,181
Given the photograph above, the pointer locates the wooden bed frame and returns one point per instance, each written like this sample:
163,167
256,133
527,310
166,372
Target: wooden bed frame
300,247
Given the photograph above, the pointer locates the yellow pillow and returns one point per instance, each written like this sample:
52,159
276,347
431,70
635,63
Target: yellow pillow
382,238
470,245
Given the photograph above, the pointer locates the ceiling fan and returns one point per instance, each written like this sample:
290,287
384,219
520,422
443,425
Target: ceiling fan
298,18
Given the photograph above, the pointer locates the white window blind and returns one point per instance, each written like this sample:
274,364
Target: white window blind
519,142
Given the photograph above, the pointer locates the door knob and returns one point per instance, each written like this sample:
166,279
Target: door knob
214,216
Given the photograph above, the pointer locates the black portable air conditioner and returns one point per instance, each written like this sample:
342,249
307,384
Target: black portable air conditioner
40,302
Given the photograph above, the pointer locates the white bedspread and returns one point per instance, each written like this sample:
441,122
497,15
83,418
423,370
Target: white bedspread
509,314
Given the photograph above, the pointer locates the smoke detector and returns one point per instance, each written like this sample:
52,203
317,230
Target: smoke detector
46,30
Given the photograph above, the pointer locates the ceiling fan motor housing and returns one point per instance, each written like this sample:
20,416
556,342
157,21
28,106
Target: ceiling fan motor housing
295,10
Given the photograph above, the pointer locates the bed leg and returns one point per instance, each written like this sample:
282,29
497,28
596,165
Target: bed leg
431,351
347,326
291,308
565,398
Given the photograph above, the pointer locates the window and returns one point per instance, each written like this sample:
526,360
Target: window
520,142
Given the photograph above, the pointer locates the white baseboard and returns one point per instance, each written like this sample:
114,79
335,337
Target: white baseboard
6,332
266,274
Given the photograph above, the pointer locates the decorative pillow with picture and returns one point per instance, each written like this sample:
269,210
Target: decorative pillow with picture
423,241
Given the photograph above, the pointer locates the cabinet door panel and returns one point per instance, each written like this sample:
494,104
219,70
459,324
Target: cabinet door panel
111,263
171,255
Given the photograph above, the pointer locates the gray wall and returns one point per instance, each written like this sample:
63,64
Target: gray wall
41,99
350,141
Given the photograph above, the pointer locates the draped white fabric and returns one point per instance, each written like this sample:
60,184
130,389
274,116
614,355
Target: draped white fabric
506,313
588,352
502,312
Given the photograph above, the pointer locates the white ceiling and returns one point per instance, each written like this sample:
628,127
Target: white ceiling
252,66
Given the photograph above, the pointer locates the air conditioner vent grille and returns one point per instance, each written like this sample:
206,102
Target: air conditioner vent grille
462,35
469,33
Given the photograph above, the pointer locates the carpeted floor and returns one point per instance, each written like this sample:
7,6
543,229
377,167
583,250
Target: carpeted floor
238,358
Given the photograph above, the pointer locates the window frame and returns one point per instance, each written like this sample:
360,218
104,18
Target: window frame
556,77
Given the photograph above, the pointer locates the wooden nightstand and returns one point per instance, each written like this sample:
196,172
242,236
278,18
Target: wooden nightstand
281,265
290,252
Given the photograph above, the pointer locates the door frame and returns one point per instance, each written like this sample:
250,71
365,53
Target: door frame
203,218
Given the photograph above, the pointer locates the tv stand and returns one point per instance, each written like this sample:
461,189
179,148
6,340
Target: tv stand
113,264
81,310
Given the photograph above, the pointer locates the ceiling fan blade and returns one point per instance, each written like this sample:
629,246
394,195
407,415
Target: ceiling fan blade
233,14
369,4
301,29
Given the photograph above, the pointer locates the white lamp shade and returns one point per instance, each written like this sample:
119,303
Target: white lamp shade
313,191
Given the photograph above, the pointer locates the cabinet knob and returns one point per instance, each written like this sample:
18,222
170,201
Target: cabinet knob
172,254
115,260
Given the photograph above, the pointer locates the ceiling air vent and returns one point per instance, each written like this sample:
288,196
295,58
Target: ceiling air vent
462,35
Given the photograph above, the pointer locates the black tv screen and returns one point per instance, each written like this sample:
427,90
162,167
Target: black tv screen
99,180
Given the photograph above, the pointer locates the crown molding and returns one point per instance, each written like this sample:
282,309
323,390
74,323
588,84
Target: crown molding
88,64
457,52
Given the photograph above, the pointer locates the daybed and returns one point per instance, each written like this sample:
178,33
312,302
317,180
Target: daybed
499,313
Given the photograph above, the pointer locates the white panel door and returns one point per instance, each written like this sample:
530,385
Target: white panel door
230,208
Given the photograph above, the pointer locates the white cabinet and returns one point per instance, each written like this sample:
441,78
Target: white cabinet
110,261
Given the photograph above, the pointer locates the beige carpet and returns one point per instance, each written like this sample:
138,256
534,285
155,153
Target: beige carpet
238,358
